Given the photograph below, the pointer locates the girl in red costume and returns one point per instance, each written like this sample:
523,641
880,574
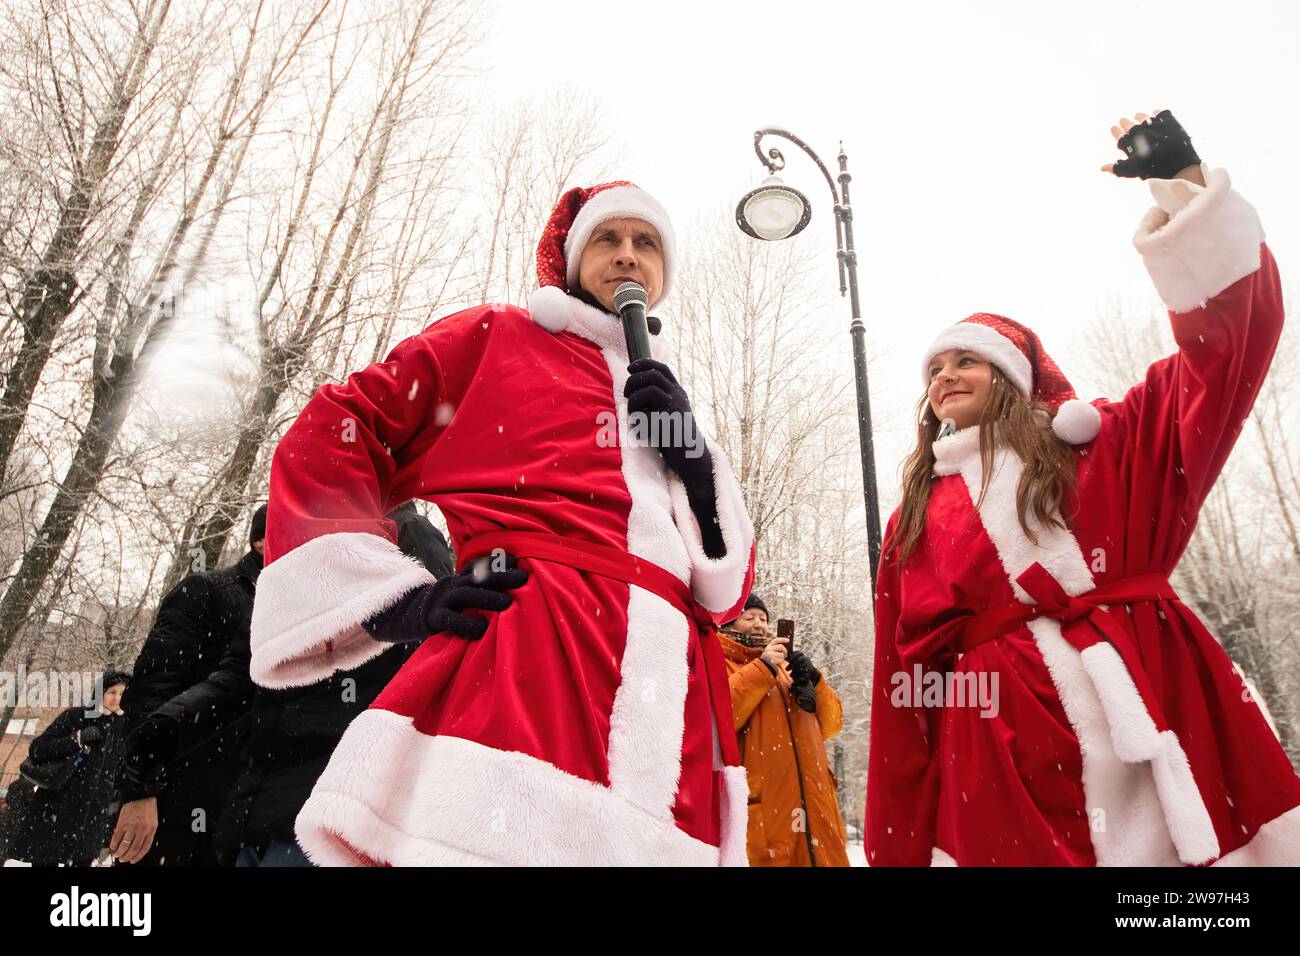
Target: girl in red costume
1033,559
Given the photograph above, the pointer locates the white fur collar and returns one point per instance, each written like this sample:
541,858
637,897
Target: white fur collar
555,311
953,451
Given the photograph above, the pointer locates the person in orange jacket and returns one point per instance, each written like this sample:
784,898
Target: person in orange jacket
784,711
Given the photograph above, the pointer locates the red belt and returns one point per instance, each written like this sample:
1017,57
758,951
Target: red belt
1083,621
621,566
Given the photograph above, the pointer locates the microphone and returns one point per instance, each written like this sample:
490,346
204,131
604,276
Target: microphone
630,300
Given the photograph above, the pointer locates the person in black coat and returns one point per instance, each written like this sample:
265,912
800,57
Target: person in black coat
291,733
294,731
174,777
69,825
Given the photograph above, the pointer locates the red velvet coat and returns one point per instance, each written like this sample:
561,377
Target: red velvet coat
579,730
1141,749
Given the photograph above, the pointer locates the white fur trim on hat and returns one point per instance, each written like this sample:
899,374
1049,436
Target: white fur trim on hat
619,202
988,344
1076,422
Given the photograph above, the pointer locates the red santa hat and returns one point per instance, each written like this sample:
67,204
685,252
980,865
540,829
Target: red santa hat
576,216
1020,356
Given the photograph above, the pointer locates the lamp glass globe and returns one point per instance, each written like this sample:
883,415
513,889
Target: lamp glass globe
773,213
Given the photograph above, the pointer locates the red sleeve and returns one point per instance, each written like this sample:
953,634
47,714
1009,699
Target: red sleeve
1168,439
353,454
336,467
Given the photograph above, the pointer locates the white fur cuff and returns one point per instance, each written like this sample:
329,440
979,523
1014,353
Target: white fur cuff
310,604
1202,249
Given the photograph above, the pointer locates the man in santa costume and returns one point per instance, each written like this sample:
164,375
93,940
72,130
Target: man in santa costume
1031,553
568,703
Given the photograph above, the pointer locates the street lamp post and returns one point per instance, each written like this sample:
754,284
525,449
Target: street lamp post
775,211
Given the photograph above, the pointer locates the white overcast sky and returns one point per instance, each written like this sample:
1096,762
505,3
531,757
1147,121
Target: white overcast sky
974,133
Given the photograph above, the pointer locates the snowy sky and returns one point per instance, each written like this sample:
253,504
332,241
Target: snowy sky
974,132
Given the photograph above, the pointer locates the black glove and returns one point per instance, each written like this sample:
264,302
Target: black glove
802,670
91,734
435,607
1158,148
651,387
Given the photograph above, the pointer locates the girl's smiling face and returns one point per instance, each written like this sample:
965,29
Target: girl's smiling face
959,386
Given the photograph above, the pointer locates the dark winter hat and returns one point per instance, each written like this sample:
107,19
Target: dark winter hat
257,530
1020,356
113,678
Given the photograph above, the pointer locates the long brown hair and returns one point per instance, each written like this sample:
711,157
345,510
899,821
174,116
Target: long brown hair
1008,418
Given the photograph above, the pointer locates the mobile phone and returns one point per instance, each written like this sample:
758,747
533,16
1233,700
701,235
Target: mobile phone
785,628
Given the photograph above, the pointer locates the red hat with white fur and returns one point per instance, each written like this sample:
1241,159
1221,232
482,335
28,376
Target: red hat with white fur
1020,356
576,216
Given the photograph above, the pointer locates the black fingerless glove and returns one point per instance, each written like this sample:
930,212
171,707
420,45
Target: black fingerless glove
435,608
1158,148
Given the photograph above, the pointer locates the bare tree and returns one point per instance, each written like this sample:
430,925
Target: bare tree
534,151
742,338
340,261
414,258
139,306
53,76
